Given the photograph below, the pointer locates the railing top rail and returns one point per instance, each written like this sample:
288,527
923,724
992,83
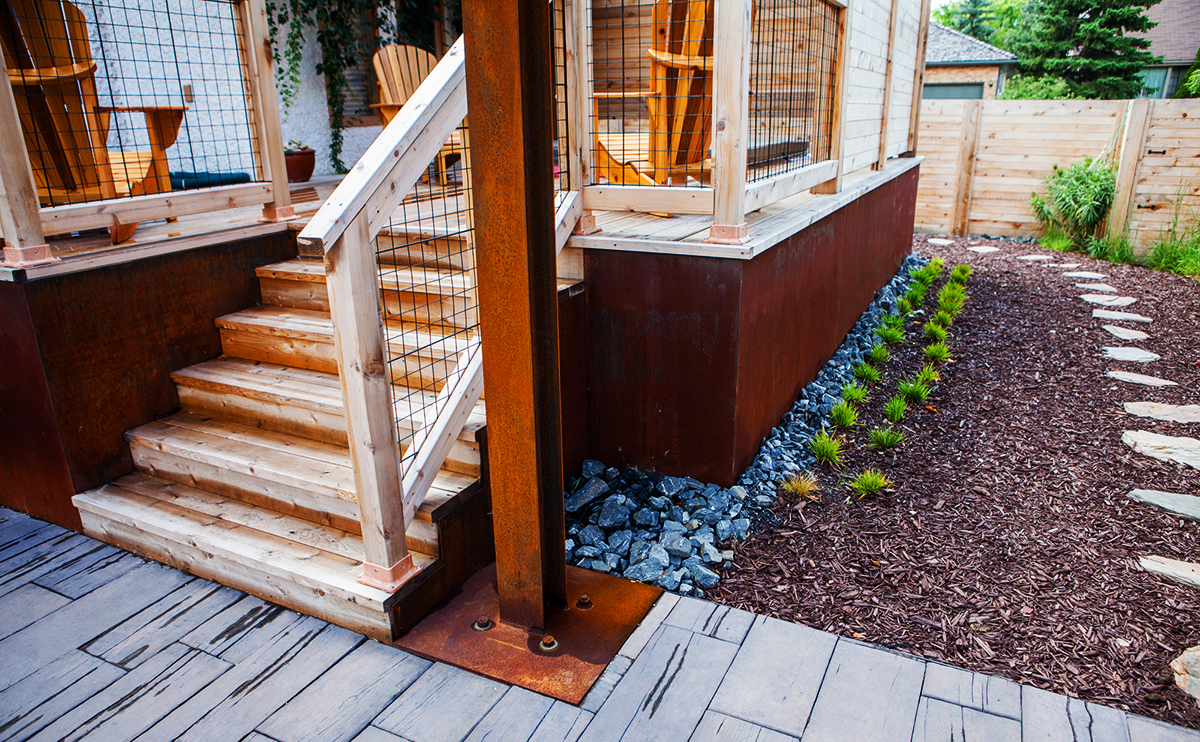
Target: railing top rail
377,167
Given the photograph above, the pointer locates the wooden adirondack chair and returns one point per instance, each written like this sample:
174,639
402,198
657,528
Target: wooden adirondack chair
52,74
399,71
680,103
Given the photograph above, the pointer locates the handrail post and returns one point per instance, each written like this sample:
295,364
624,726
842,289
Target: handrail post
353,282
24,242
260,87
837,129
731,114
578,23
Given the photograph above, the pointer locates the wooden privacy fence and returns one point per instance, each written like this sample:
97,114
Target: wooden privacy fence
984,158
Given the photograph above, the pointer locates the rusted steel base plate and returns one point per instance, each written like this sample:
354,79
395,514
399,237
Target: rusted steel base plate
587,639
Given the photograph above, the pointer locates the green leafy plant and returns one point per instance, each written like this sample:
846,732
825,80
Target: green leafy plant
890,335
1077,200
870,482
865,372
878,354
903,305
951,298
1055,240
942,318
804,486
934,332
915,295
854,393
913,391
826,448
937,265
1177,250
894,320
895,409
844,414
1115,249
928,375
885,438
937,353
1035,87
961,273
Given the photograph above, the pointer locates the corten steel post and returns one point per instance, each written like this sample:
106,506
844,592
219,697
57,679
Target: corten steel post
511,104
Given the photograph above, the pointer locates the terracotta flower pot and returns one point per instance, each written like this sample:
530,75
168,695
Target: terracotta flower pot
300,165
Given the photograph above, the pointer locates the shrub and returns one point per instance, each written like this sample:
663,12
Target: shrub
895,409
844,415
1177,251
928,375
890,335
1116,249
826,448
804,485
870,482
1057,241
865,372
885,438
913,391
934,332
854,393
878,354
1028,87
937,352
1077,200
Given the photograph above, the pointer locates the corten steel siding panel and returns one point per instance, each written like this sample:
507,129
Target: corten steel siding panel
111,337
662,340
800,298
33,466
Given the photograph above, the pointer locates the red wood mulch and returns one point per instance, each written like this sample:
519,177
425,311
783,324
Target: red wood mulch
1008,545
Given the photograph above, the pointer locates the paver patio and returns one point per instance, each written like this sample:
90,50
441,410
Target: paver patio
97,643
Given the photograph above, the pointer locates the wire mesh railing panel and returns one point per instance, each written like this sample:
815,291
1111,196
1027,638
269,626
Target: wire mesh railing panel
426,259
558,51
793,58
652,87
130,97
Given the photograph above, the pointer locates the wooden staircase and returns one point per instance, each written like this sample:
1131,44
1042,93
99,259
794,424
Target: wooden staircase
251,484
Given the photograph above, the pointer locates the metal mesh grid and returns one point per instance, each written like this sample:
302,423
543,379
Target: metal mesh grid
124,97
652,87
426,260
558,51
793,57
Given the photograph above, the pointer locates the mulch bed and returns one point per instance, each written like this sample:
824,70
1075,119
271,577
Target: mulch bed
1008,545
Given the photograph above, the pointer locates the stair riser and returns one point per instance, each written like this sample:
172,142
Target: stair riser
413,306
449,253
421,535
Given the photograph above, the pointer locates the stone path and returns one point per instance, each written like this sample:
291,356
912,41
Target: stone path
98,644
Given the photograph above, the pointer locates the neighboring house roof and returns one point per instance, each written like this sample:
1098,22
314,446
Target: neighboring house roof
1177,34
947,46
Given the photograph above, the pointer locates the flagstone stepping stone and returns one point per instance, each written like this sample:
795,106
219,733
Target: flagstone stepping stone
1097,287
1186,668
1125,333
1179,450
1062,265
984,250
1086,274
1120,316
1188,413
1108,301
1125,353
939,241
1185,572
1186,505
1034,257
1140,379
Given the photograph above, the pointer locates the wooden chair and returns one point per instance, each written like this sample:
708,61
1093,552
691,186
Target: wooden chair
679,102
399,71
52,74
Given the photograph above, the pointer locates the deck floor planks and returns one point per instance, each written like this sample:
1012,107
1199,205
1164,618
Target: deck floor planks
776,676
1049,716
938,721
344,700
42,559
420,714
109,566
715,727
133,703
965,688
238,631
562,723
25,605
30,705
71,626
514,718
141,636
17,536
867,693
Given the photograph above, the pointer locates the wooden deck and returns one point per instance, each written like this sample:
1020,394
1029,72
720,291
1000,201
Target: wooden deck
96,643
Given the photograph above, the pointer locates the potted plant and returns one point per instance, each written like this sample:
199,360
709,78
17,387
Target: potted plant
300,161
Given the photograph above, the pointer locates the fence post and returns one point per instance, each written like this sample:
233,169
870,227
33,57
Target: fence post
24,242
885,117
968,137
838,114
579,95
260,84
353,282
914,120
731,114
1132,143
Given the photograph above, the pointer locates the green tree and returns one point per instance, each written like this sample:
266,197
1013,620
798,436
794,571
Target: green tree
972,17
1189,87
1046,87
1084,42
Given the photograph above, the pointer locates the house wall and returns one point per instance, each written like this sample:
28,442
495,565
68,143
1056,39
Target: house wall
987,74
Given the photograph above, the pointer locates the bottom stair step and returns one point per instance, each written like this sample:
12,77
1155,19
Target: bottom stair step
302,565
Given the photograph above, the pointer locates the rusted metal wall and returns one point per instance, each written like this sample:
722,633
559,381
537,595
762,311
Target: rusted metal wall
109,339
692,360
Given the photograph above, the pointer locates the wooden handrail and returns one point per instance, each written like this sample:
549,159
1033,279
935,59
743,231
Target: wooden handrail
394,163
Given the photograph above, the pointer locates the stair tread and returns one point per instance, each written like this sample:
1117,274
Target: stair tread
441,281
316,391
316,467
